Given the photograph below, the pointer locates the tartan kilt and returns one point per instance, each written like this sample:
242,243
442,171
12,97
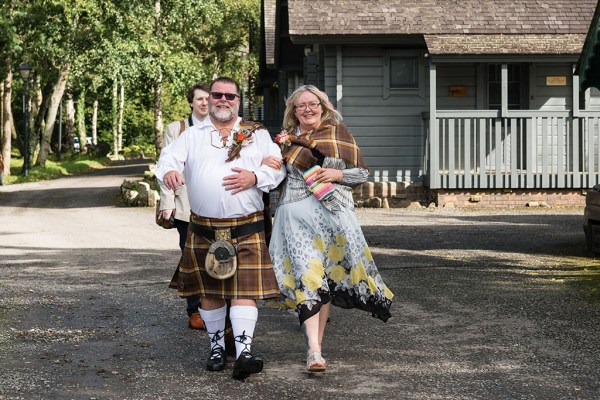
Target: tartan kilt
254,277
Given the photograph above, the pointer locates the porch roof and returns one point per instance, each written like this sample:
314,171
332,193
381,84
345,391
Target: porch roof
505,44
537,26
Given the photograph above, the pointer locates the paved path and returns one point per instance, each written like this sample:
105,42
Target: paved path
489,305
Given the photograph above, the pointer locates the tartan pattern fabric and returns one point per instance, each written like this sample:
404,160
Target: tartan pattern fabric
254,278
332,139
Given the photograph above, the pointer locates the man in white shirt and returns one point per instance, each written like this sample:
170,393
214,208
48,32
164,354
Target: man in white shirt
226,181
175,202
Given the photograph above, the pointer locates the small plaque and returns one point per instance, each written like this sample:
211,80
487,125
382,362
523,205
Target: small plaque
556,81
458,91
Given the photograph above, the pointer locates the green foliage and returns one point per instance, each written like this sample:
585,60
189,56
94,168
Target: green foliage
135,151
114,40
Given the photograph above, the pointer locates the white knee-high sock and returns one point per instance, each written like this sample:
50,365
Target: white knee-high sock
243,321
215,325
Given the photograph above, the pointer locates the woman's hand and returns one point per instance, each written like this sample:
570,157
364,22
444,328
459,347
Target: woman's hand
272,161
329,175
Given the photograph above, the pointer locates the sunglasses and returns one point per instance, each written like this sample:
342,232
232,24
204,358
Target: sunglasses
219,95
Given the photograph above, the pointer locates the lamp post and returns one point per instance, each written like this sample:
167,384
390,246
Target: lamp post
25,71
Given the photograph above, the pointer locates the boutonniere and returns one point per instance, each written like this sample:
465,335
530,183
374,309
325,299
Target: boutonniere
283,138
241,138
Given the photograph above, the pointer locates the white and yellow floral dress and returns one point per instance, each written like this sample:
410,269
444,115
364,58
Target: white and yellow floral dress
319,252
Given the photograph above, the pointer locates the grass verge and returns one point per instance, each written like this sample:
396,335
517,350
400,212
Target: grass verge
74,165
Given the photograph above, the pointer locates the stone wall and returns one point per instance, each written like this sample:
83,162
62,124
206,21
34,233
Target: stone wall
138,194
415,195
511,198
390,195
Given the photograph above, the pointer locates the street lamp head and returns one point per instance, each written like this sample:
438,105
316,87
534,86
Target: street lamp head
25,70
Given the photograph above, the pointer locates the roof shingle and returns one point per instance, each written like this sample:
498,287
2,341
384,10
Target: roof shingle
505,44
438,17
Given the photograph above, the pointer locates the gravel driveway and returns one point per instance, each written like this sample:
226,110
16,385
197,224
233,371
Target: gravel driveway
489,305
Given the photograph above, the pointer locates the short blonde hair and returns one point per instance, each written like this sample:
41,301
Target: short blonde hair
290,122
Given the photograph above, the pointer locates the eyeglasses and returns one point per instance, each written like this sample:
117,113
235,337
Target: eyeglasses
312,106
215,134
219,95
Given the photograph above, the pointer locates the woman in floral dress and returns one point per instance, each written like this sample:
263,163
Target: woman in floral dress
319,253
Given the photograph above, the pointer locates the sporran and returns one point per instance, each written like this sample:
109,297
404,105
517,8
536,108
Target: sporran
221,259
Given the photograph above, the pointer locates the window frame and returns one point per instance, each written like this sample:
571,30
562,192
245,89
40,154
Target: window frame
419,57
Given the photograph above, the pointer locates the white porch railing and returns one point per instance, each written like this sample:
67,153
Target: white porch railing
527,150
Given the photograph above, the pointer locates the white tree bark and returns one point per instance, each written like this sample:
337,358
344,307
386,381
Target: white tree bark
8,126
95,122
80,114
114,119
70,123
120,120
158,89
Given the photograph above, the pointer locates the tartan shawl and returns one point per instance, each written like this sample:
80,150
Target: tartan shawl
332,139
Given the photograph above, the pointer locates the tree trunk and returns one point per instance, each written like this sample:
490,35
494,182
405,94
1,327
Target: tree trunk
1,136
8,126
114,119
43,95
81,123
158,90
36,99
158,122
70,123
53,103
120,119
5,134
95,122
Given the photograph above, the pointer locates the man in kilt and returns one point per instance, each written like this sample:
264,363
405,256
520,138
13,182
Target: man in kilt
226,180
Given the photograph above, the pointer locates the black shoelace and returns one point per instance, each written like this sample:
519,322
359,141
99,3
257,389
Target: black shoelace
216,350
242,339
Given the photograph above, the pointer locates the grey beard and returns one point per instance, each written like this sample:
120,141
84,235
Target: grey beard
222,116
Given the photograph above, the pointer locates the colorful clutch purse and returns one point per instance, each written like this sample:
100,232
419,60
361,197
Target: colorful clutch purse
321,190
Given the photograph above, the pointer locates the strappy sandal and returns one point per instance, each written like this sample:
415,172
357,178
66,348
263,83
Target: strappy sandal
315,363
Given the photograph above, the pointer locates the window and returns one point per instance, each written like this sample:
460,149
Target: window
404,73
515,86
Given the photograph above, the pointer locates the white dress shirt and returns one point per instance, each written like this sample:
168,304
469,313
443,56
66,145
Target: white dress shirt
201,150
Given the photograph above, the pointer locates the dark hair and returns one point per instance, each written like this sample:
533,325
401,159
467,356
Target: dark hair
198,86
225,79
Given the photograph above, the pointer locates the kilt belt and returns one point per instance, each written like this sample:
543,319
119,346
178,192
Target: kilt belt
235,232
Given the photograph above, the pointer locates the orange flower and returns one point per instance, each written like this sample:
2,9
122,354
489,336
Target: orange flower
242,138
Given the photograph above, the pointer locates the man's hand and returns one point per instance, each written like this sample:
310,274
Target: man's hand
166,214
273,162
329,175
241,180
173,180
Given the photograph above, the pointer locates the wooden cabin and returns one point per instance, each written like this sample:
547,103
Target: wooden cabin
461,103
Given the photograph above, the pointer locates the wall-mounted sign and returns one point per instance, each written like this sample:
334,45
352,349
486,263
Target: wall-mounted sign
556,81
458,91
